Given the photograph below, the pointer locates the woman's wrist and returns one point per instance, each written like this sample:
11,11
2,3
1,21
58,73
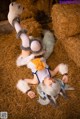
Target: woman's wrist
28,91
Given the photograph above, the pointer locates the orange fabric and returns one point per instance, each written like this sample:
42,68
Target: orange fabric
38,64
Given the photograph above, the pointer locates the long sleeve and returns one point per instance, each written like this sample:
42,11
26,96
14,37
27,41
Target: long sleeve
24,61
23,86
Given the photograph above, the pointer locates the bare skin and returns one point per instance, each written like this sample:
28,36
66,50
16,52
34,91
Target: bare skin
48,82
25,53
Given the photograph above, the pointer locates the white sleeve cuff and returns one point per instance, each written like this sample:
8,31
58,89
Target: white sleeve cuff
22,86
24,61
63,69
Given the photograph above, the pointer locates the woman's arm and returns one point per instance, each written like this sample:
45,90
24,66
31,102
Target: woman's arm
61,68
24,61
23,86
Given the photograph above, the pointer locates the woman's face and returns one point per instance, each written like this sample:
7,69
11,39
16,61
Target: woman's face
48,81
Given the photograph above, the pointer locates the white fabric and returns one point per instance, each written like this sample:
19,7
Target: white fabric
17,26
42,74
25,40
23,36
35,46
48,42
14,11
63,68
22,86
27,61
24,61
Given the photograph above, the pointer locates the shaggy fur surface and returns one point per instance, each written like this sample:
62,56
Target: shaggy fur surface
48,43
19,105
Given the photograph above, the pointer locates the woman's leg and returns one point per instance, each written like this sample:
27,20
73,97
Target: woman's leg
32,81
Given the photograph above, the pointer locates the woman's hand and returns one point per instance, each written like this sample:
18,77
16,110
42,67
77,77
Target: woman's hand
65,78
31,94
